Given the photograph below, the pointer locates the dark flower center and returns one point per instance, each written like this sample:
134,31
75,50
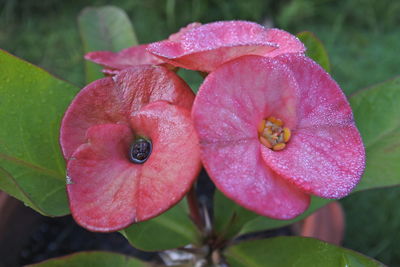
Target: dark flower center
140,150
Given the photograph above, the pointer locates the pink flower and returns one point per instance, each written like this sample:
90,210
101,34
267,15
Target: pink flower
206,47
274,131
113,62
130,147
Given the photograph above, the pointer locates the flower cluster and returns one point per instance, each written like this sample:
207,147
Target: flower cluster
269,125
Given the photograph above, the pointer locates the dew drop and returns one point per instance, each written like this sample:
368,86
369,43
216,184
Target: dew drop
68,180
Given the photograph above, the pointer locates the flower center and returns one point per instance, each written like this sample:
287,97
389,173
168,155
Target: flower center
272,134
140,150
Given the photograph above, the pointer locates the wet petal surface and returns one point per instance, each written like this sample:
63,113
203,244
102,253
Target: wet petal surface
102,179
325,156
206,47
238,171
112,100
287,43
237,96
129,57
108,192
323,161
175,161
231,102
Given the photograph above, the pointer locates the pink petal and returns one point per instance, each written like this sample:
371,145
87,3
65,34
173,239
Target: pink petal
175,162
177,36
287,43
234,99
231,102
322,102
238,171
107,192
325,156
113,62
206,47
321,160
102,181
132,56
112,100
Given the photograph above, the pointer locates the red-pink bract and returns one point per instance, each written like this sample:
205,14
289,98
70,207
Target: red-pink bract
113,62
116,61
114,99
106,191
324,157
206,47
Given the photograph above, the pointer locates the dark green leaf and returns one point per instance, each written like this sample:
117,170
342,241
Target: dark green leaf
32,104
105,28
377,112
171,229
294,251
93,259
315,49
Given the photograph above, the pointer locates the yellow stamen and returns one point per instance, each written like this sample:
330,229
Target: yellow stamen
271,119
279,122
267,132
275,121
272,134
286,134
261,127
279,146
265,142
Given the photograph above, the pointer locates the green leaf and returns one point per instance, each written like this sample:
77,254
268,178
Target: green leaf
32,104
294,251
376,112
105,28
171,229
315,49
93,259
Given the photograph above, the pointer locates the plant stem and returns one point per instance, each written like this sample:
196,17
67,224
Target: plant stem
194,209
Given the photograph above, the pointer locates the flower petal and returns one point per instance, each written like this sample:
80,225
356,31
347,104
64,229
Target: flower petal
102,181
112,100
107,192
325,155
178,36
234,99
206,47
175,161
113,62
322,102
132,56
227,110
287,43
323,161
238,171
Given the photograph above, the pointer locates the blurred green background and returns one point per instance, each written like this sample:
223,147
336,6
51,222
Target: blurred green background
360,36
